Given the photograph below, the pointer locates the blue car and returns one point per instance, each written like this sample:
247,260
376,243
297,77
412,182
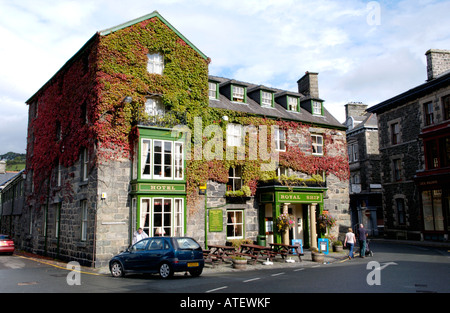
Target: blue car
163,255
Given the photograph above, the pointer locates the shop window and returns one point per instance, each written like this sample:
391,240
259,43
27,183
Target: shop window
162,216
432,210
235,224
437,152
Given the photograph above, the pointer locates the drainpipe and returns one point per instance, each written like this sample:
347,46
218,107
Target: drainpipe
206,217
312,217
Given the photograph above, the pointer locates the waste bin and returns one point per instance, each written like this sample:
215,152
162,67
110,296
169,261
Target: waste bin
261,240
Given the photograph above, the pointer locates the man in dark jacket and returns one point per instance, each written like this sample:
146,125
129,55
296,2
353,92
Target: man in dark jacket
362,240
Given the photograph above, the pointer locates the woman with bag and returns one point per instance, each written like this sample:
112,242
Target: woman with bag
350,239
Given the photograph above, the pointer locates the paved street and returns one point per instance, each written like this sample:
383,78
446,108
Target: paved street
399,269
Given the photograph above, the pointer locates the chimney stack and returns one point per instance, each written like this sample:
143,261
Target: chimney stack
308,85
438,62
355,109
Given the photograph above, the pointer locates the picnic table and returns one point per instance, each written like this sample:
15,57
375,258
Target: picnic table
285,249
221,252
254,251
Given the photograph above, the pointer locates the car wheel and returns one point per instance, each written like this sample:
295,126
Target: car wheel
165,270
196,272
117,270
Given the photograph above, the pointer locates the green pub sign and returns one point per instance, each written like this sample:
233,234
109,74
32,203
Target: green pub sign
215,220
294,197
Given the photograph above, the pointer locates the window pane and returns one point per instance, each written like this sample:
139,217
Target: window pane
212,90
155,63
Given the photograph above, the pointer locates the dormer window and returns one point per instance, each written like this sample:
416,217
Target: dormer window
155,63
293,104
266,99
317,107
212,90
238,94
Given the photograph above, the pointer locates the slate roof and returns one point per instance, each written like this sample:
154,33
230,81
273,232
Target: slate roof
277,111
6,177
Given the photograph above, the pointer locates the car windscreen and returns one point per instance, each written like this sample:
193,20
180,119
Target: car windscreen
4,237
187,244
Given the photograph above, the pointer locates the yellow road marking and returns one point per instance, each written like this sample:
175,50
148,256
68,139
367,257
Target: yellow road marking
60,267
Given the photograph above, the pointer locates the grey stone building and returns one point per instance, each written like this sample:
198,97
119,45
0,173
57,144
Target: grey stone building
365,166
414,140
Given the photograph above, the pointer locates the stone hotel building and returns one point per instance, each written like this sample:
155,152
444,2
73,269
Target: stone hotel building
133,132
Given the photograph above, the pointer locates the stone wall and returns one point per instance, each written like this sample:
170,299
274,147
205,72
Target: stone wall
409,151
215,199
113,209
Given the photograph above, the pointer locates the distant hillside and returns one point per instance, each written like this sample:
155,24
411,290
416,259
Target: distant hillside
14,161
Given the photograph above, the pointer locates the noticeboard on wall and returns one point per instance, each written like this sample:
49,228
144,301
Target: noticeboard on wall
215,220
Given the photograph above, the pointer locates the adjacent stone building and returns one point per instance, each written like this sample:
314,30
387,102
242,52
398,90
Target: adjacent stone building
364,162
133,132
415,152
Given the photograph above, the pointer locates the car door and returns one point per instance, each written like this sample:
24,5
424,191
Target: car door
135,259
155,252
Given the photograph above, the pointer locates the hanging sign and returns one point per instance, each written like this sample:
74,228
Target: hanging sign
297,197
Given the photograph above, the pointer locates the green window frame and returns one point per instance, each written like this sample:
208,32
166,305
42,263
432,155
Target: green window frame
236,96
290,105
314,108
263,95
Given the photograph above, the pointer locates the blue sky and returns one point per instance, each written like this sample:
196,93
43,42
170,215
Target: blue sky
366,51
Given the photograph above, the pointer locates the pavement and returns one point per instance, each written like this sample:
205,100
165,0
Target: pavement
226,266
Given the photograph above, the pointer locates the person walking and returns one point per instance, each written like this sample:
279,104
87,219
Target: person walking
362,232
350,240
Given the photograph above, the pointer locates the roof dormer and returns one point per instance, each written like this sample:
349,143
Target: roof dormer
312,105
234,91
289,100
264,96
